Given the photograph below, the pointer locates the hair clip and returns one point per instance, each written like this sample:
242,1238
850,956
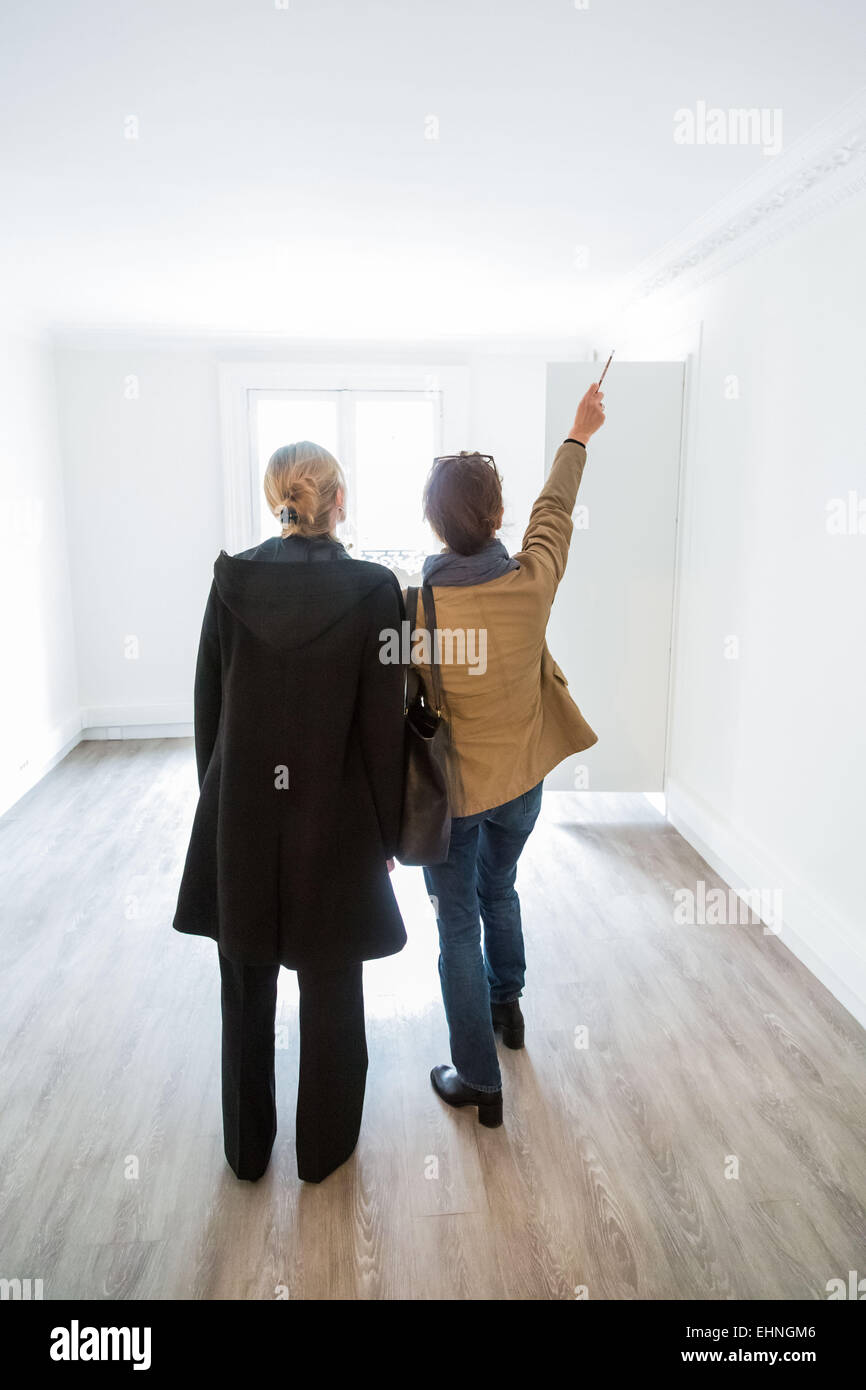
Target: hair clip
288,515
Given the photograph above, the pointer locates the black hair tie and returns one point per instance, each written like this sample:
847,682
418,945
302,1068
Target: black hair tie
288,516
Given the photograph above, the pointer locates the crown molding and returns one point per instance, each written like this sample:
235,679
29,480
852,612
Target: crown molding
821,170
228,346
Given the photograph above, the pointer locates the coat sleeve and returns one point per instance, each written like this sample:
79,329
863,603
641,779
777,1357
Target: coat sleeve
548,534
380,715
208,687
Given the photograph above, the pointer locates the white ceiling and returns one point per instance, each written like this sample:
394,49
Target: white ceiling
282,182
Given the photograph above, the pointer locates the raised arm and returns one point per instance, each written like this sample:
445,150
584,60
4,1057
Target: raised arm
548,534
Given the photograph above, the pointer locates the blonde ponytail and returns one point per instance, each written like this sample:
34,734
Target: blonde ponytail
305,479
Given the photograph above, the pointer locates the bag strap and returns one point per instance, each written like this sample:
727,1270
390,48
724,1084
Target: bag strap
410,608
412,605
429,621
430,617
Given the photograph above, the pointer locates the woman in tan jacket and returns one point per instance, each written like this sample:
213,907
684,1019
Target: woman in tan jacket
511,721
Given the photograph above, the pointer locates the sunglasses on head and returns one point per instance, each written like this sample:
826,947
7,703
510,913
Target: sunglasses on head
455,458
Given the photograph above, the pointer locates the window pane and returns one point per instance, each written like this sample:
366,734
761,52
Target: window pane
284,421
394,448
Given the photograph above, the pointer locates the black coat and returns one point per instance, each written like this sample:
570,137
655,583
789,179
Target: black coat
289,677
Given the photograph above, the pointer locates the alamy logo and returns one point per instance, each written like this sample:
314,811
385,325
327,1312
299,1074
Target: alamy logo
711,125
855,1288
76,1343
846,516
457,646
20,1289
725,907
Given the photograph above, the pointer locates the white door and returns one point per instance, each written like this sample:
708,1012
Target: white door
610,629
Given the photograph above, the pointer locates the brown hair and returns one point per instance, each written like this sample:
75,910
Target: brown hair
306,477
463,500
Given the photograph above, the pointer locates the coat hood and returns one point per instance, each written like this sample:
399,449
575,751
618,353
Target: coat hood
289,606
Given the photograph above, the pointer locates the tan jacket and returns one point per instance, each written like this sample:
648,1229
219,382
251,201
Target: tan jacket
512,724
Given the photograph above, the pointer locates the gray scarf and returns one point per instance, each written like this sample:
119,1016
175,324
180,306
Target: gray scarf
450,569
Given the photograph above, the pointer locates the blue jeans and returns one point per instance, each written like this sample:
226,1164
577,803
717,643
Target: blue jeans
477,880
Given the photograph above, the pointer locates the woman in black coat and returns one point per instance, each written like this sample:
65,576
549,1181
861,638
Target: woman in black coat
299,747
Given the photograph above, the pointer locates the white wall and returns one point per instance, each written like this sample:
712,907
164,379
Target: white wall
145,488
507,404
39,713
767,761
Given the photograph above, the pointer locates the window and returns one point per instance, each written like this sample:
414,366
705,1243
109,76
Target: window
385,441
384,421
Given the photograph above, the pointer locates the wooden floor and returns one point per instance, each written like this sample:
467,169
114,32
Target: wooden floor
609,1174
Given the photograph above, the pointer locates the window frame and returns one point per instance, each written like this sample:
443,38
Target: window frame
242,385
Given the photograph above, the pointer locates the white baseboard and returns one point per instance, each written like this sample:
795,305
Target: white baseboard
826,944
129,716
138,731
48,751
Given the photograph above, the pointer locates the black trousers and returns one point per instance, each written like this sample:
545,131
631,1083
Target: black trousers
332,1072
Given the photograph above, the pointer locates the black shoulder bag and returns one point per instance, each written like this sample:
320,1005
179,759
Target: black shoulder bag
425,826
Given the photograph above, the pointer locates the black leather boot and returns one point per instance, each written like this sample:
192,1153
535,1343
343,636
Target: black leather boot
449,1087
510,1020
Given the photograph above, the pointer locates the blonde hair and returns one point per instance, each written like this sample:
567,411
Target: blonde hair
304,476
